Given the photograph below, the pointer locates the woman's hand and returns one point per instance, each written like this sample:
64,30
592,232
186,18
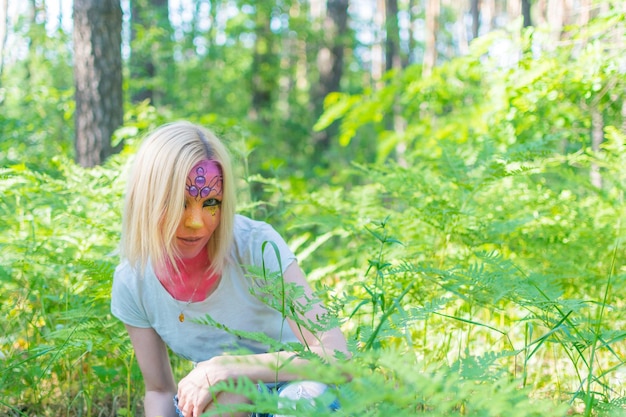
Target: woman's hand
195,392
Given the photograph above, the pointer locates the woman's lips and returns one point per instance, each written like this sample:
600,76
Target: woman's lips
190,240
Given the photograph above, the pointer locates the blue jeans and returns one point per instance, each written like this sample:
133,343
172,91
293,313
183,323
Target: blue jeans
292,391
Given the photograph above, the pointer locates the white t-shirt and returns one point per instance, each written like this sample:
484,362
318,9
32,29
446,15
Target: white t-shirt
144,302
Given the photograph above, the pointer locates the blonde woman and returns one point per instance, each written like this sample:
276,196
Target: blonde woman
186,256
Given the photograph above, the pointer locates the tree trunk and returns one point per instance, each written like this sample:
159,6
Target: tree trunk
463,40
433,9
556,18
475,11
394,62
411,33
377,55
489,13
4,31
540,12
597,135
98,78
526,13
624,117
330,64
263,70
392,40
513,9
212,32
148,14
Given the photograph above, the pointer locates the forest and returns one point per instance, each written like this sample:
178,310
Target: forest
451,175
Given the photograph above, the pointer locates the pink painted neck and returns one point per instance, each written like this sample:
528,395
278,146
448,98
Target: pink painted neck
192,282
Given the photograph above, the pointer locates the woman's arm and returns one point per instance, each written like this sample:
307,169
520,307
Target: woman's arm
326,343
266,367
155,367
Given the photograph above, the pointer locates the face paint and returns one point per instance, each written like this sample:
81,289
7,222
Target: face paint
203,179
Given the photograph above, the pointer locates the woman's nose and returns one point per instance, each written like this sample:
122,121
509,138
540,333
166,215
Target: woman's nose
193,218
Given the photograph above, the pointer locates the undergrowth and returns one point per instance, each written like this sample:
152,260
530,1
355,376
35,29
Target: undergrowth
450,307
480,274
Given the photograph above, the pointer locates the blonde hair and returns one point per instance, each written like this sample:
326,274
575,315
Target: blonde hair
155,195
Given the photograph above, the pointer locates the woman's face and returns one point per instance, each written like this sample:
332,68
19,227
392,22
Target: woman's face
203,198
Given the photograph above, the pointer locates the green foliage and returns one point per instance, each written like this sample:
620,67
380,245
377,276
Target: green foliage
506,246
36,100
59,229
471,261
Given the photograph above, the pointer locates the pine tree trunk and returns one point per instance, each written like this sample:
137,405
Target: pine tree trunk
392,40
263,78
475,11
597,135
330,64
540,12
513,9
433,9
411,33
98,78
526,13
394,62
143,61
556,18
212,33
624,117
488,13
4,31
377,67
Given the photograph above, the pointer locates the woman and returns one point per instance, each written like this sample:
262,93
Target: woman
189,260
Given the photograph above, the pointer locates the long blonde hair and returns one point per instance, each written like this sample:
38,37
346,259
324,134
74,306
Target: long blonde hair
155,197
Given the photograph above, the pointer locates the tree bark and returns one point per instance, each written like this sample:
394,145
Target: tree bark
392,40
475,11
556,18
148,14
330,64
513,9
331,56
597,136
4,30
263,75
488,11
463,39
377,50
98,78
411,33
394,62
624,117
433,9
526,13
212,32
540,12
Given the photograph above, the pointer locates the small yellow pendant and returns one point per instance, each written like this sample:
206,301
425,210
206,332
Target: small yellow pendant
181,317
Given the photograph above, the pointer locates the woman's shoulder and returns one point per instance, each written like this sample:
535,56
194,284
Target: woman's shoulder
247,229
126,273
250,235
251,238
245,223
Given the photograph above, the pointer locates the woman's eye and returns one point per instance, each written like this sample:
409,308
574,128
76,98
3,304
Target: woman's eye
211,202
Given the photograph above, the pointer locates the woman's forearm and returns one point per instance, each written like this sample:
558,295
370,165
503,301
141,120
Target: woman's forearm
276,366
264,367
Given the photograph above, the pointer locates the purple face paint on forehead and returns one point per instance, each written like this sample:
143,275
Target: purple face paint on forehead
203,179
